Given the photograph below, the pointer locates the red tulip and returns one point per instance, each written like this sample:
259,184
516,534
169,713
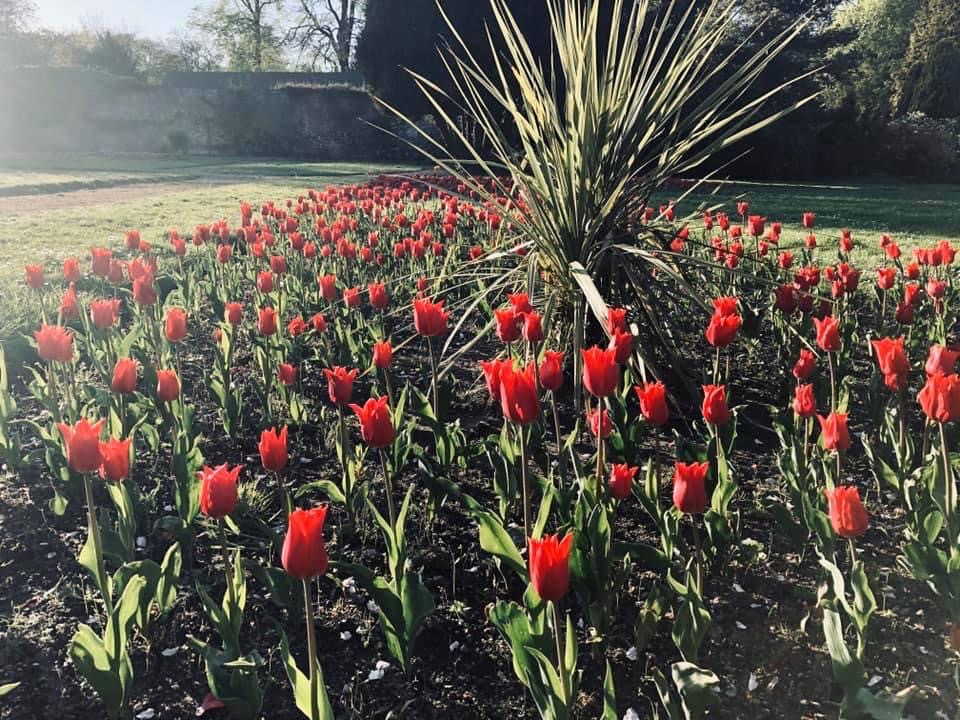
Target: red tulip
805,365
785,299
265,282
508,324
54,343
550,566
622,344
828,333
296,327
115,460
168,385
351,297
847,514
833,432
287,373
940,397
616,320
278,264
621,480
599,422
267,321
886,277
724,306
71,270
273,449
100,261
340,384
601,373
653,402
218,490
520,302
715,410
491,374
941,359
382,354
115,274
532,327
124,376
376,425
519,399
551,370
429,318
722,329
804,402
144,293
175,326
82,443
378,296
892,361
105,313
756,223
689,493
224,253
328,287
319,323
34,276
809,220
233,313
304,553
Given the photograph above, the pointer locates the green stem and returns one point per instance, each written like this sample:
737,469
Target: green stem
524,482
556,430
436,380
558,639
388,482
698,549
311,651
949,493
94,531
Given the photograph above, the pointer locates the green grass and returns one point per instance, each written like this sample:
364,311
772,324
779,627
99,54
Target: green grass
42,174
914,214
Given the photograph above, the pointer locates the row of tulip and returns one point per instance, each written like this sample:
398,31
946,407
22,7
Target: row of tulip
290,290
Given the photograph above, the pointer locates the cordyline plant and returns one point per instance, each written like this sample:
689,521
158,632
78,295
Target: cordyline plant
656,99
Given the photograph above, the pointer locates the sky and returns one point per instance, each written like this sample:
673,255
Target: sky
151,18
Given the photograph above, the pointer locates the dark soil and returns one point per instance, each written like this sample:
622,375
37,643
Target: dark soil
766,643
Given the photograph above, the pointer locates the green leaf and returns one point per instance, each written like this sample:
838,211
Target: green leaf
697,688
169,578
302,691
691,625
495,540
609,696
109,676
8,688
847,669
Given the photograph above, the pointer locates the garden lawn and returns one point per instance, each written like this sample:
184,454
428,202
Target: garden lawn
913,213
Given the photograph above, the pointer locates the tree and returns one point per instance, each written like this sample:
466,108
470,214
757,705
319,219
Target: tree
872,40
398,36
928,80
113,52
326,30
239,45
15,16
252,13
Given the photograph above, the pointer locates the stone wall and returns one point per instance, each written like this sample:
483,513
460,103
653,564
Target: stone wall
67,109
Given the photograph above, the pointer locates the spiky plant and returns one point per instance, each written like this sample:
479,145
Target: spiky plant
592,133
